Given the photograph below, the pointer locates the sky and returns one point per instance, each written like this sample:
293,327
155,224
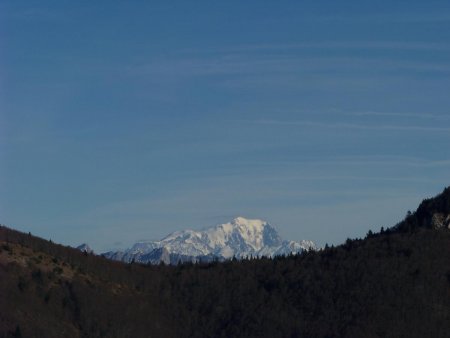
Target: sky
126,120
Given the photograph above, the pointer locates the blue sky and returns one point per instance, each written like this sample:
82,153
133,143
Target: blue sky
123,121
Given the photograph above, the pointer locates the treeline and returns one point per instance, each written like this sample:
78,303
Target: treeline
426,213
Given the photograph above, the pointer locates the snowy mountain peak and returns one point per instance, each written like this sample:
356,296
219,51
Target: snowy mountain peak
239,238
251,231
85,248
250,223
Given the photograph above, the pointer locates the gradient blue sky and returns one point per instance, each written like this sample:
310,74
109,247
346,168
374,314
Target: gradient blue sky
126,120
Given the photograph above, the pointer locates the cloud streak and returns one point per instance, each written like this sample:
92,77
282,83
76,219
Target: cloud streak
280,48
401,115
385,161
343,125
250,60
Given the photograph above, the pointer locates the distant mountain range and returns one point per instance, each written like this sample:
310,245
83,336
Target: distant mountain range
239,238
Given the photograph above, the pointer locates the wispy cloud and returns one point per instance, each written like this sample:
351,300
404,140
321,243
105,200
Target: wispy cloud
406,17
389,161
343,125
425,115
369,160
281,48
430,17
337,178
294,69
245,64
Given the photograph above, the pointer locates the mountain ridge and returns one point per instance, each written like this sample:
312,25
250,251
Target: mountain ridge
239,238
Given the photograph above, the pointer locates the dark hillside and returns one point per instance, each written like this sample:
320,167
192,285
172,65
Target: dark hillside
392,284
432,213
48,290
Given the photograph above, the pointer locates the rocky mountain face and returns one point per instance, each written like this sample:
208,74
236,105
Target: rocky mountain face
239,238
440,220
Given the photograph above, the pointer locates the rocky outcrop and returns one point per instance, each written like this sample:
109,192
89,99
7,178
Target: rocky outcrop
440,220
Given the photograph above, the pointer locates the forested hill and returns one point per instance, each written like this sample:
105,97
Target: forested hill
395,283
432,213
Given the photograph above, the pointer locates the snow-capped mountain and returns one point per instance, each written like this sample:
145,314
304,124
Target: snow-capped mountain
239,238
85,248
